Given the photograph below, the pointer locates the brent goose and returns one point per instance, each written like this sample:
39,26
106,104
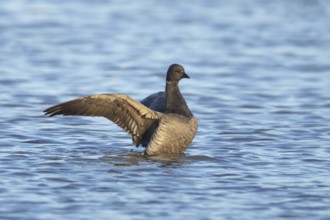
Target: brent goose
162,122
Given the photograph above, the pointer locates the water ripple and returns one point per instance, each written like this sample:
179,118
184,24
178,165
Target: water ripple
259,87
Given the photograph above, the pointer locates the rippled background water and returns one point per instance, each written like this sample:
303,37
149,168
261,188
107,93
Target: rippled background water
260,87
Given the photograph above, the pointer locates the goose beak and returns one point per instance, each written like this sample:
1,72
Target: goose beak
185,75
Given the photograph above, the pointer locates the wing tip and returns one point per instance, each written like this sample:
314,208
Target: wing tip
52,111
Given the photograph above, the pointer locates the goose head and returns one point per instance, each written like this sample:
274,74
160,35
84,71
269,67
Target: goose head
176,72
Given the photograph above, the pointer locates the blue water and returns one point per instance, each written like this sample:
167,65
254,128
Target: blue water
260,88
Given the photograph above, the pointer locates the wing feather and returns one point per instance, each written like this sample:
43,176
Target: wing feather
130,115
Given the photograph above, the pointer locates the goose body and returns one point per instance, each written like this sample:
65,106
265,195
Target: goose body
162,122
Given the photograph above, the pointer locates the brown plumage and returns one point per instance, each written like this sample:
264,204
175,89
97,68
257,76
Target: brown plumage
128,114
150,128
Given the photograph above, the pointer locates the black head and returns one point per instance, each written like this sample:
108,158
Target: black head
175,72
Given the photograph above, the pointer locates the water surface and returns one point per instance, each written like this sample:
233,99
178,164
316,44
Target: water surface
259,87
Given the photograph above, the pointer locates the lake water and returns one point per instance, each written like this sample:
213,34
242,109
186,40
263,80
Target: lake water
260,88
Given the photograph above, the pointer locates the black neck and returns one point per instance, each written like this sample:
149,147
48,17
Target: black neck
175,102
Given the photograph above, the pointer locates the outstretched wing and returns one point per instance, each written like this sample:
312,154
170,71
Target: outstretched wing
132,116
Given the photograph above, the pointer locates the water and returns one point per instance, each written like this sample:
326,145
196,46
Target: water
259,87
